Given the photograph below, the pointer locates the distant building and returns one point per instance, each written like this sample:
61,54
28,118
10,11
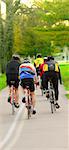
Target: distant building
63,56
65,53
3,9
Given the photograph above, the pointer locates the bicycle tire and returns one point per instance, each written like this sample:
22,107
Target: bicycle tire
13,111
42,92
12,101
52,108
29,108
29,113
52,102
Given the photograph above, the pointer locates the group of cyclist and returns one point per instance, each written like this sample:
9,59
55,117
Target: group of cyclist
27,73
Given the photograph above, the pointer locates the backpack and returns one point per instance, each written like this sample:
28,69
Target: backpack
51,66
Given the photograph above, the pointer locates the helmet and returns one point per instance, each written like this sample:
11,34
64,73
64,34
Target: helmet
50,58
39,55
26,60
45,58
16,57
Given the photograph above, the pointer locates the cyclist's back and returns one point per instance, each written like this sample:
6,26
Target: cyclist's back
12,67
12,74
27,70
37,62
51,72
27,74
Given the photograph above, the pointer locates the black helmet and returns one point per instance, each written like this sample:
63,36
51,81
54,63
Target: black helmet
26,60
39,55
16,57
50,58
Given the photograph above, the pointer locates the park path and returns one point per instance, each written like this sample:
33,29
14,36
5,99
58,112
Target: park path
44,131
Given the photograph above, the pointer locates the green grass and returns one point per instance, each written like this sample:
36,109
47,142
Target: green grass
2,81
65,76
67,95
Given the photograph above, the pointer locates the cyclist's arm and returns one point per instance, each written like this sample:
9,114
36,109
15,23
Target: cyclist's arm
35,76
60,76
34,65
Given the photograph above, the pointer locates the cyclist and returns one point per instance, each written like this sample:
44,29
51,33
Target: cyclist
37,62
41,71
12,74
51,71
27,75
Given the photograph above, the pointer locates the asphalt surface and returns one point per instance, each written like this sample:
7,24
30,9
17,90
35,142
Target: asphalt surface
44,131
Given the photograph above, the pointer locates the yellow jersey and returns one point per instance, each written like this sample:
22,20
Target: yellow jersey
38,61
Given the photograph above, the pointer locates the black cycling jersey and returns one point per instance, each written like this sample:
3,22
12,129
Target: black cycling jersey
12,67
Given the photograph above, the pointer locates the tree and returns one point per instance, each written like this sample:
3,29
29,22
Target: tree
1,43
11,9
31,30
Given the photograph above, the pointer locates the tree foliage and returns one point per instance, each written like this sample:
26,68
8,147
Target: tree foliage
43,27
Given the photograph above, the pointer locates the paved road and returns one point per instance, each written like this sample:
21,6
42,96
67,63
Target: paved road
44,131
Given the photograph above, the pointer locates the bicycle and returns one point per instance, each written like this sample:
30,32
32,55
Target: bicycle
29,102
12,96
51,93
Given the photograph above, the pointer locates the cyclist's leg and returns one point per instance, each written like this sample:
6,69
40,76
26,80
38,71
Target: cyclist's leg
55,85
32,92
33,99
24,90
16,93
45,83
8,78
33,102
9,97
38,75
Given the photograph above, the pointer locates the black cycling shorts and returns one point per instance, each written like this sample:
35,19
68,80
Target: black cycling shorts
28,82
12,77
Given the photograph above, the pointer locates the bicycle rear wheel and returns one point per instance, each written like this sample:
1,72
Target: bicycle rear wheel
13,111
29,108
12,100
51,107
52,102
29,113
42,92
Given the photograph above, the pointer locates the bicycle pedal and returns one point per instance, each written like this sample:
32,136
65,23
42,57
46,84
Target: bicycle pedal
52,102
28,107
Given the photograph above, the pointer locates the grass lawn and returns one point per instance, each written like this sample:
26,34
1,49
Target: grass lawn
65,76
2,81
67,95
